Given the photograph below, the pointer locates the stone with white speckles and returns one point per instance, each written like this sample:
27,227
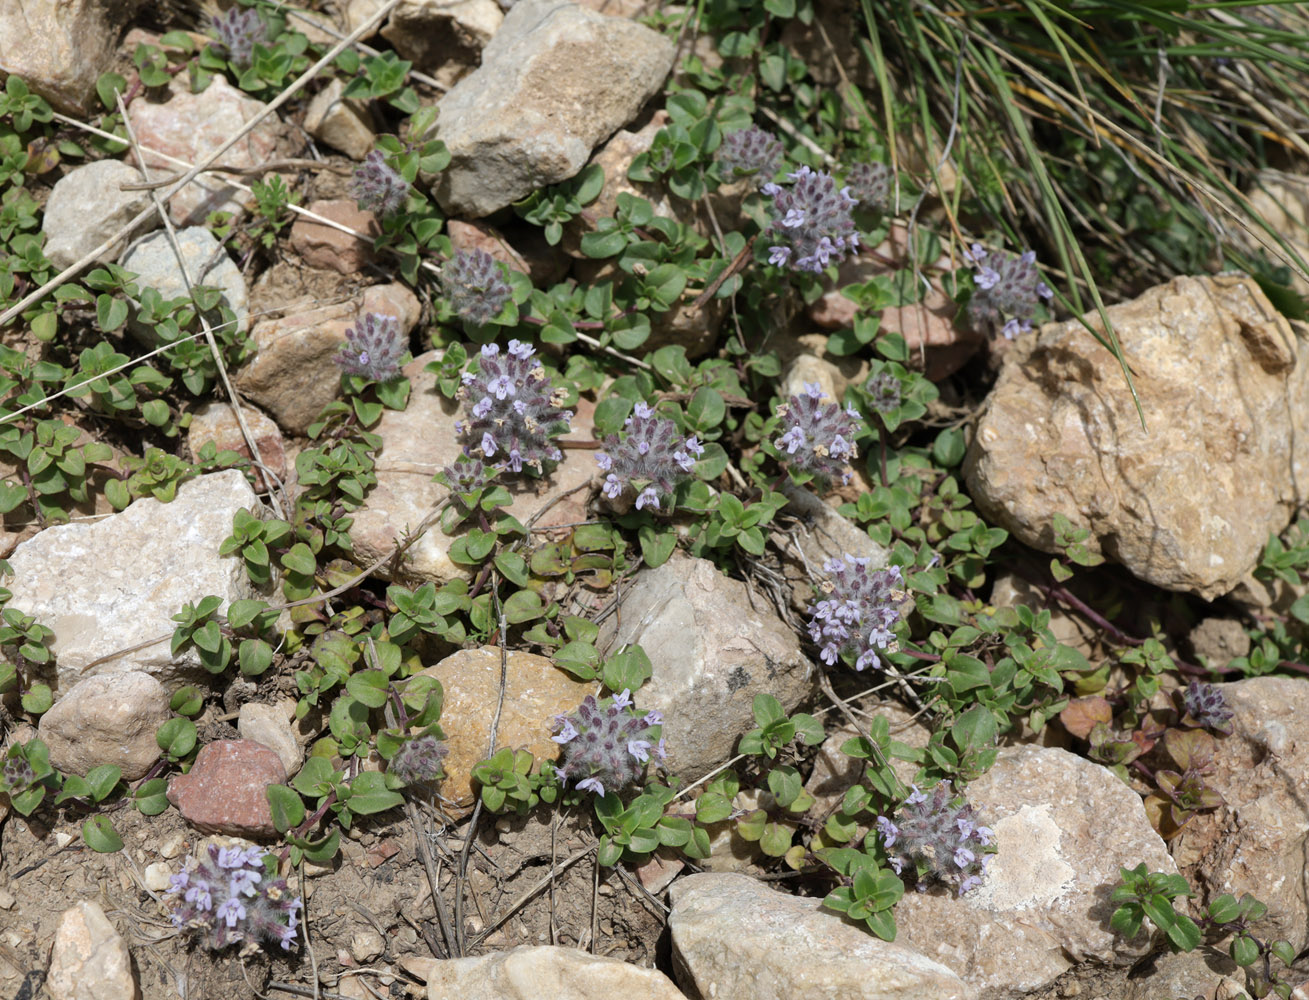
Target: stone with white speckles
104,586
224,790
1188,501
1063,827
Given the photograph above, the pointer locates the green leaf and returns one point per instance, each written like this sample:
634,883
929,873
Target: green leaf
523,606
151,798
369,687
300,559
176,737
369,794
101,836
103,779
288,808
767,709
38,699
255,657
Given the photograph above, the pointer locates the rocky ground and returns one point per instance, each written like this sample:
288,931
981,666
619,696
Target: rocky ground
1159,495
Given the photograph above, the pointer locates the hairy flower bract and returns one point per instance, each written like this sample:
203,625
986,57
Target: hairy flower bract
230,896
857,612
373,348
749,152
1207,706
473,283
869,185
513,412
418,760
377,186
606,746
650,459
239,30
812,226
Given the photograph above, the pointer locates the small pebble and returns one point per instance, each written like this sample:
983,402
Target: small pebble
6,899
172,847
366,945
63,839
157,876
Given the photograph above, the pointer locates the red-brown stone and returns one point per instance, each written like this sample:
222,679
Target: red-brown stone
224,790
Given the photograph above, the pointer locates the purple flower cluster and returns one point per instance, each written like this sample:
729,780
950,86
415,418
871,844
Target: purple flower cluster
1006,289
373,348
468,475
811,225
238,31
869,185
513,411
819,437
232,897
750,152
377,186
857,613
606,746
418,760
650,459
883,392
937,836
476,288
1206,705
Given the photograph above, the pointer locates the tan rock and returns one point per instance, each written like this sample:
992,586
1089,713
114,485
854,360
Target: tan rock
535,691
443,38
735,938
1188,502
1010,590
1202,973
292,374
1219,641
532,973
88,206
544,265
321,245
215,421
268,724
107,719
60,49
1257,842
712,649
345,125
90,960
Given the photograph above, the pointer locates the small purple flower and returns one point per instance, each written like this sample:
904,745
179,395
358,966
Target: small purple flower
888,830
819,436
779,255
1005,293
870,185
1206,705
937,837
227,894
654,717
419,760
640,749
591,785
857,613
567,732
513,408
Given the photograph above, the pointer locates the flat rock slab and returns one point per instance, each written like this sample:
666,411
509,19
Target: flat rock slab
88,206
555,81
736,939
1063,827
1188,502
104,586
90,960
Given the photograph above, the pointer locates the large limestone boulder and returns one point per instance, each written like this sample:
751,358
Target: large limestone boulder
1188,501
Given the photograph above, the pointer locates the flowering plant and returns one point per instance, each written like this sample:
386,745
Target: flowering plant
373,348
857,614
1006,290
811,226
377,186
820,437
650,459
938,836
513,410
232,896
